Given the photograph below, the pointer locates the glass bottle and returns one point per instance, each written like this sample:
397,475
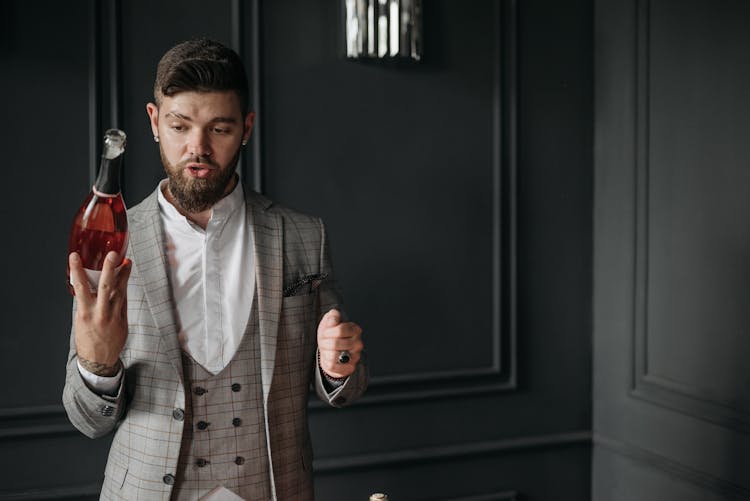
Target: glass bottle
101,224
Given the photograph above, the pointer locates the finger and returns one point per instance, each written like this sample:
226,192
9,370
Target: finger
80,281
107,281
332,318
124,308
331,365
329,361
352,330
345,330
353,359
119,293
121,300
122,274
351,345
341,344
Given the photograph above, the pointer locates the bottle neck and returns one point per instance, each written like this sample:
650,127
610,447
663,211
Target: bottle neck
108,180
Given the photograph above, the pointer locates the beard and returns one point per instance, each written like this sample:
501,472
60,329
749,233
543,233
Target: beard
195,194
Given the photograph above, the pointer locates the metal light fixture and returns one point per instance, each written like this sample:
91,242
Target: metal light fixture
383,29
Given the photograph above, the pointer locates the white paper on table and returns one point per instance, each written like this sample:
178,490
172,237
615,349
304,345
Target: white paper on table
221,493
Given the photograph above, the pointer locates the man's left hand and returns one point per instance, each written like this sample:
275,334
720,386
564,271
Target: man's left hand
335,336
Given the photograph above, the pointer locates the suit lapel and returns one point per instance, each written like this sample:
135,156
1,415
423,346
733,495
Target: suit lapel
148,251
267,242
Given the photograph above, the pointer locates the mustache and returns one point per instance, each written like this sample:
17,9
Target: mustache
197,160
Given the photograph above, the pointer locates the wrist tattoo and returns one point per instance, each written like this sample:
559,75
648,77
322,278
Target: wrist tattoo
100,369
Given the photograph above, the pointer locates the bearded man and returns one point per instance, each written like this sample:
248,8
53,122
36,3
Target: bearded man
200,348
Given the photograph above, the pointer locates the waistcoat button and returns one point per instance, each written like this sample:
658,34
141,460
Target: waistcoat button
178,414
199,390
236,387
202,425
200,463
236,421
168,479
239,460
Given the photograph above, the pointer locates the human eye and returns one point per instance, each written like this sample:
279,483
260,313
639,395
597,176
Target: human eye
177,127
221,130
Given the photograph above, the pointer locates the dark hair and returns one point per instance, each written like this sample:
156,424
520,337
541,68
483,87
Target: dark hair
201,65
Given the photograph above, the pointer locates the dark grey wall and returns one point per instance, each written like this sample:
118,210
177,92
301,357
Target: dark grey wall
457,193
671,273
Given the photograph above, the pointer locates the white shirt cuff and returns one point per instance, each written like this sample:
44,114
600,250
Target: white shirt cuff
100,384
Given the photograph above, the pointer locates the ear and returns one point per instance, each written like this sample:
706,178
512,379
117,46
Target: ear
153,114
249,121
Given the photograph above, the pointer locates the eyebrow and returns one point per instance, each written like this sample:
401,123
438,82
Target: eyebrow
175,114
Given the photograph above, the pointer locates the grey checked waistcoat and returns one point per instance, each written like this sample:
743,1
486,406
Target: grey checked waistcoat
224,439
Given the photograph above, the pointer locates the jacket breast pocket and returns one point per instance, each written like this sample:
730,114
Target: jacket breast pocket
298,310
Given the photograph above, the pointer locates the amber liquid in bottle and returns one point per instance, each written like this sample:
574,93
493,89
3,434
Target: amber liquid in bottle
101,224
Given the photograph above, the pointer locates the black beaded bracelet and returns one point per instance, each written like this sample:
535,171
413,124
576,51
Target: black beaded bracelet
338,381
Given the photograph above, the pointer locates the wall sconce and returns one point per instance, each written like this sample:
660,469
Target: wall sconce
383,29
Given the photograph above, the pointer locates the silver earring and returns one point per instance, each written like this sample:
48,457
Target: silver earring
244,142
156,139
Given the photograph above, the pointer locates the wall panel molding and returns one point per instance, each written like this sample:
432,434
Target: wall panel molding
246,35
402,457
682,471
654,389
501,376
34,422
74,492
491,496
105,70
256,60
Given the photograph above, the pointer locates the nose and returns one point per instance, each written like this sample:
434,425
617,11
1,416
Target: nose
199,144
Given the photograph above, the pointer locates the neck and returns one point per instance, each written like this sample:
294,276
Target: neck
203,217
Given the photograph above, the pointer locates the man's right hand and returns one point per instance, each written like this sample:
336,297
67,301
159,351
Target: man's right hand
100,325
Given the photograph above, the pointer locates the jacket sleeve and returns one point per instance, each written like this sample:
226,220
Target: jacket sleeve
92,414
330,297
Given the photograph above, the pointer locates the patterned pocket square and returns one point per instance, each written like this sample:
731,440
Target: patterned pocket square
297,288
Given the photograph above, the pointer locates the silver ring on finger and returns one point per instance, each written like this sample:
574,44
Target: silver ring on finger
344,357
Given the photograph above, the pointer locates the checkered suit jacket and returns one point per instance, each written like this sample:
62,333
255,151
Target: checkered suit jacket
145,414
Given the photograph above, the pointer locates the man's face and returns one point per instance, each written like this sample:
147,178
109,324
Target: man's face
200,136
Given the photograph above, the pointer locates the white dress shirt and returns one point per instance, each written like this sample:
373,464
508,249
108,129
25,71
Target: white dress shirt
213,278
